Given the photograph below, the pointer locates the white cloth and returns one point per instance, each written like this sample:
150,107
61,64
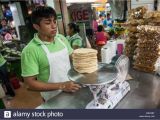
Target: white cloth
59,66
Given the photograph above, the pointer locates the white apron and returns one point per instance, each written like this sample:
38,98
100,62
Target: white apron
59,65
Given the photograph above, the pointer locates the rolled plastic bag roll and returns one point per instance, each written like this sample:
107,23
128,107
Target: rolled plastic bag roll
106,55
113,46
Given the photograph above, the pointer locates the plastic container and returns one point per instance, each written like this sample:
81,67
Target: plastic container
120,49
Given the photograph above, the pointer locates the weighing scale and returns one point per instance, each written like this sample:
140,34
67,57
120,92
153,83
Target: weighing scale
107,92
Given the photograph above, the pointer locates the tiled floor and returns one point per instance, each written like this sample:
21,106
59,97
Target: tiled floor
24,99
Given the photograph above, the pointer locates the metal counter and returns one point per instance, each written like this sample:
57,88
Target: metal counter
144,94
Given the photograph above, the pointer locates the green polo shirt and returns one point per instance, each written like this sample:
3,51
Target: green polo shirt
75,40
34,60
2,60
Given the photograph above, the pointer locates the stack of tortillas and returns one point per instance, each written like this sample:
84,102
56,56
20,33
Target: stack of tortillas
85,60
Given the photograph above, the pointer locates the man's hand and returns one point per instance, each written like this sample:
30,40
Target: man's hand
36,85
70,86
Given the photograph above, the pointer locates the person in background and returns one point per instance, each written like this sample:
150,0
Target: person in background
94,25
101,36
101,39
100,20
4,26
105,21
7,35
8,13
4,22
45,60
108,22
4,77
73,37
13,33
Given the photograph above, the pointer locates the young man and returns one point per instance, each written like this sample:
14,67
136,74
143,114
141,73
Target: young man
45,60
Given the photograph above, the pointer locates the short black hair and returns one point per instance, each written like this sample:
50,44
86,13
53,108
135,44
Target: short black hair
100,15
100,28
41,12
108,14
3,19
75,27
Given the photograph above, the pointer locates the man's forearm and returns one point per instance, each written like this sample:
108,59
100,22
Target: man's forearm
41,86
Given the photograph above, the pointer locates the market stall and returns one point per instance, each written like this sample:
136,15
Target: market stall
104,83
